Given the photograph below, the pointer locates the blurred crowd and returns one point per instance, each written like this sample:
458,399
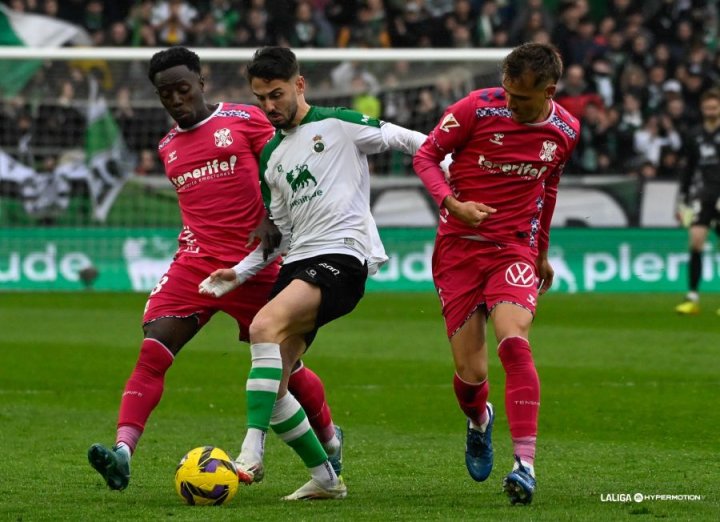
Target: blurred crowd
634,69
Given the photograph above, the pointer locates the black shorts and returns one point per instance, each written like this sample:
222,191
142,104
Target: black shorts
341,279
706,210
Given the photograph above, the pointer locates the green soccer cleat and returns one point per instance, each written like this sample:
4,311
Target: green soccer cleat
113,465
314,491
688,308
336,458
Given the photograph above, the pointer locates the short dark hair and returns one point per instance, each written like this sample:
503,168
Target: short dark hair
172,57
711,94
543,60
273,63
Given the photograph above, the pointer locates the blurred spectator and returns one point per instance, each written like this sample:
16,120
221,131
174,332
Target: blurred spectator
368,30
344,74
575,93
148,163
592,153
655,136
489,24
363,100
532,17
305,32
173,21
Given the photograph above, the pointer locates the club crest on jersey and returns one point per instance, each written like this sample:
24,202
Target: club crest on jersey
319,146
520,274
299,177
497,138
547,153
448,122
223,138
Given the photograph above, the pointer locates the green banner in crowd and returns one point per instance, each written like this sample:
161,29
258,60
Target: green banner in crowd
117,259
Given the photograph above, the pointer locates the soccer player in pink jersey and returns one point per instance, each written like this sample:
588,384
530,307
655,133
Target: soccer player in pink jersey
211,158
509,145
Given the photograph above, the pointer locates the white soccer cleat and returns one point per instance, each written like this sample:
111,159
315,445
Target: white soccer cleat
216,287
249,473
312,490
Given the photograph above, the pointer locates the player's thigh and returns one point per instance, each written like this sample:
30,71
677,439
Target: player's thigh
511,320
172,332
176,294
469,348
459,273
512,280
243,303
698,236
292,311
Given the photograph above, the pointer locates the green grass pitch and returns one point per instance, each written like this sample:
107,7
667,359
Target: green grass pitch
629,405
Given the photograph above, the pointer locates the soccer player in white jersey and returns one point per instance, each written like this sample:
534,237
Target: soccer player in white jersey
211,158
316,184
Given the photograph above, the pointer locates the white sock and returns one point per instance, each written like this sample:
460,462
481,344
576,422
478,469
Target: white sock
482,427
122,447
693,296
253,447
324,475
529,467
331,446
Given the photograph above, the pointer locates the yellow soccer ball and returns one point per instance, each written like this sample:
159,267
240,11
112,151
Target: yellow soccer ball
206,476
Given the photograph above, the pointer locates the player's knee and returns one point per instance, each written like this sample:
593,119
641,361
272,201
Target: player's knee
472,371
263,329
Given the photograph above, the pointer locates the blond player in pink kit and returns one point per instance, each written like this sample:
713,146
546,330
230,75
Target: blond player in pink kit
211,158
509,145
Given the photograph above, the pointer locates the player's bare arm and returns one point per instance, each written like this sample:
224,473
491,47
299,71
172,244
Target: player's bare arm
469,212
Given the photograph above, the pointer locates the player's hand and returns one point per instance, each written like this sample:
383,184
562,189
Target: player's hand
545,273
268,234
469,212
219,283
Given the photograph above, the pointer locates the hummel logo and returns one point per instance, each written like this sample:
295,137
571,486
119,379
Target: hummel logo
173,156
497,139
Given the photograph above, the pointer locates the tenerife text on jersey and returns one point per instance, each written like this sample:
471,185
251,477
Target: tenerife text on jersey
211,169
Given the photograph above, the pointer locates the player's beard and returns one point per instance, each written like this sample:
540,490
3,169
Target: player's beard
287,121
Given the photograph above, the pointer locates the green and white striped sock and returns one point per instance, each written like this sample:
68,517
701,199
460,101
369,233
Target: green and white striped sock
262,388
290,423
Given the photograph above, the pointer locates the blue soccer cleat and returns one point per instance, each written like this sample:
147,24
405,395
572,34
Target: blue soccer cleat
113,465
336,458
479,450
520,484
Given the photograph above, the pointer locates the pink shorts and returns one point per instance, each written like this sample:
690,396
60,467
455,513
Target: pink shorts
469,274
176,294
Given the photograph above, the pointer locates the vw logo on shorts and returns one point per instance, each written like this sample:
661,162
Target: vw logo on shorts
520,274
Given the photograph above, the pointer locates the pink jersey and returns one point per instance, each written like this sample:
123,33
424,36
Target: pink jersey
512,167
214,168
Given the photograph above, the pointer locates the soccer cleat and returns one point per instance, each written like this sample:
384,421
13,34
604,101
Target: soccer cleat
249,473
688,308
520,484
336,458
113,465
479,450
312,490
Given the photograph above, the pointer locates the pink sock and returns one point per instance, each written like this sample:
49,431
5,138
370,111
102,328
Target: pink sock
143,391
472,398
309,391
522,395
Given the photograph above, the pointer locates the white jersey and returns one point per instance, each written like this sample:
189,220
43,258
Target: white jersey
315,182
